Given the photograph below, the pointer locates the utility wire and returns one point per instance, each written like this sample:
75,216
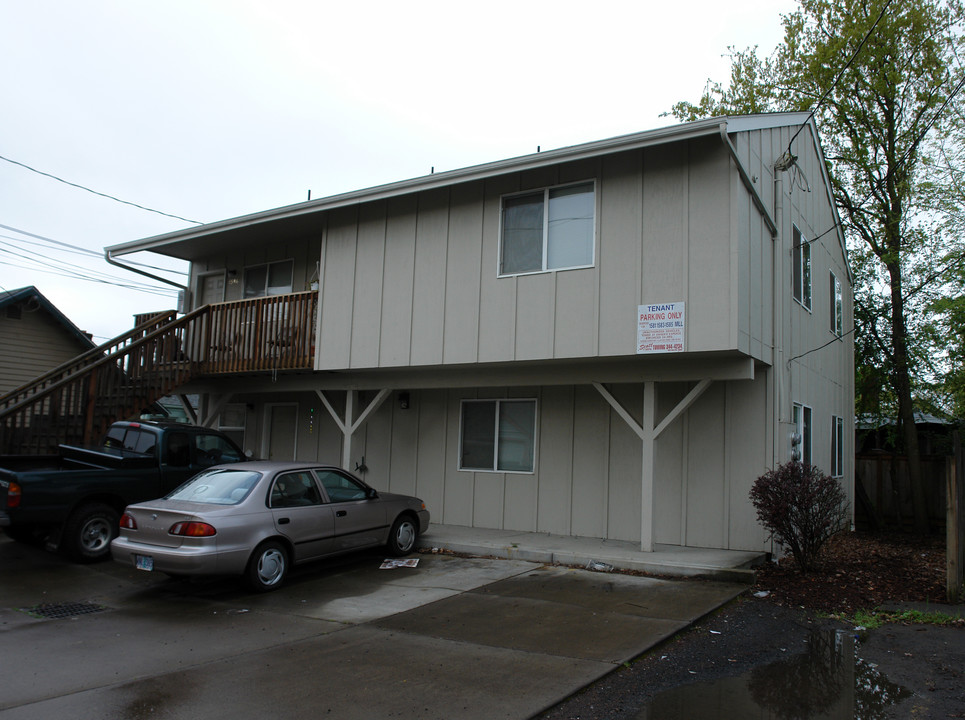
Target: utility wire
145,289
835,339
95,192
901,161
90,275
77,248
841,72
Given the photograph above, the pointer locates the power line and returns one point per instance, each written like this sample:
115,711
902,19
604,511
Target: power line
77,248
837,78
144,289
66,270
95,192
901,161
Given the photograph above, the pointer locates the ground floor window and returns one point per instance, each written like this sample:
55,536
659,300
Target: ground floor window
837,446
232,421
802,428
498,435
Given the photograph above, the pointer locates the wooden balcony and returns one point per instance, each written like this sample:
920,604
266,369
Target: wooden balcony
122,378
266,333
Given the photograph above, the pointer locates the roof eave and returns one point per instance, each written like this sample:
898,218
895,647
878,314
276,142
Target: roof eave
623,143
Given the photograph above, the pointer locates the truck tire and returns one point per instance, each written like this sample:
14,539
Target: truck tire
88,533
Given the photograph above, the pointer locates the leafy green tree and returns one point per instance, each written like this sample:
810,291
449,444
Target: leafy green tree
881,77
946,195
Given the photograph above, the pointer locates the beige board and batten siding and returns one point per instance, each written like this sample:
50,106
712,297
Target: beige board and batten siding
303,252
33,344
421,274
586,476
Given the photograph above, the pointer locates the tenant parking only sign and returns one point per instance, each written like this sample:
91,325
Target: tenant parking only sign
660,328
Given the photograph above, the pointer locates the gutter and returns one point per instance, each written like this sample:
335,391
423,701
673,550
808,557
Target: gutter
748,183
674,133
109,258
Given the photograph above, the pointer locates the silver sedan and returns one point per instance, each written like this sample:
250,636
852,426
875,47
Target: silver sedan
259,518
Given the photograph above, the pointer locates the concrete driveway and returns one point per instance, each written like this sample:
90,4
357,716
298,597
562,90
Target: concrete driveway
453,637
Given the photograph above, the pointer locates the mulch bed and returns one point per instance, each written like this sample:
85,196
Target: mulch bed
861,571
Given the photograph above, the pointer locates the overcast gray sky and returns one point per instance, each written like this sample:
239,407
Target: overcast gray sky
211,109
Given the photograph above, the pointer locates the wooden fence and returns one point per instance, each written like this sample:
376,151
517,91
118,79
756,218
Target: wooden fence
883,500
883,480
955,524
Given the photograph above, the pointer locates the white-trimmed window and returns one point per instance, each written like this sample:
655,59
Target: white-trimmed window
837,446
232,422
801,261
802,426
269,279
837,306
549,229
498,435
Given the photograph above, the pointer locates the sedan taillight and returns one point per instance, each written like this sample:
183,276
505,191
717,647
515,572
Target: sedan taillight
13,495
192,529
128,522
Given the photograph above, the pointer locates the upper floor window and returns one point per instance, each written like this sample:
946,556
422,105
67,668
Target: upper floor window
550,229
801,261
837,307
269,279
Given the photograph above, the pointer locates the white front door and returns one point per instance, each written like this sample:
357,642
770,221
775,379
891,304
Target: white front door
280,431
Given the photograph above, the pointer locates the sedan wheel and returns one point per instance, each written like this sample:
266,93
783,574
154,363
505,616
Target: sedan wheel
402,537
267,567
88,532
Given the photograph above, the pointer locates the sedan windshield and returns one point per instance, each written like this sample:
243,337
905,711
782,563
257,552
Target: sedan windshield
217,487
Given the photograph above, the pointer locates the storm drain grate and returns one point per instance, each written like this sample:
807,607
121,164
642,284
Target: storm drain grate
56,611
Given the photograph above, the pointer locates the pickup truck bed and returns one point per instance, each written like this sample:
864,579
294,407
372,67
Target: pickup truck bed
74,500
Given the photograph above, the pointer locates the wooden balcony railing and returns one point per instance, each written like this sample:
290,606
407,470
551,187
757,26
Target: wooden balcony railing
76,402
83,361
266,333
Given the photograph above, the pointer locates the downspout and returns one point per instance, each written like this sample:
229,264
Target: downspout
777,321
781,165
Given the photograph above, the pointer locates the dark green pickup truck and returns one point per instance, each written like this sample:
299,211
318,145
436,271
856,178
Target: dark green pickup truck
74,500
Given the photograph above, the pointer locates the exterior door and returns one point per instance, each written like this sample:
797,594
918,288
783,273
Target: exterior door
281,428
212,289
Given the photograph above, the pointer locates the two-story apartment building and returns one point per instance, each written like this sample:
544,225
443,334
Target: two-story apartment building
607,340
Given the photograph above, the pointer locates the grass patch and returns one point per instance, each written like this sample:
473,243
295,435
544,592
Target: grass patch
874,619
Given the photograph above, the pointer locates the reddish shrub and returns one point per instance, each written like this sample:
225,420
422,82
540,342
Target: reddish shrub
801,507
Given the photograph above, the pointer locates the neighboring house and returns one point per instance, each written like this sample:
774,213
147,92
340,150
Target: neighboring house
882,434
608,340
34,337
883,489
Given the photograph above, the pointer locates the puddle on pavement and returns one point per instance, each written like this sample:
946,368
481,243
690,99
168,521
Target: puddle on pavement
827,682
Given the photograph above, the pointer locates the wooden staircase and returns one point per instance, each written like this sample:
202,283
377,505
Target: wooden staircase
76,402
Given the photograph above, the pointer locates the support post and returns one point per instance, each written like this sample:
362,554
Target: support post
646,483
214,410
954,551
347,430
648,433
346,424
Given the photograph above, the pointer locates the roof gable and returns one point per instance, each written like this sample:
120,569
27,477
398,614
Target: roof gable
12,297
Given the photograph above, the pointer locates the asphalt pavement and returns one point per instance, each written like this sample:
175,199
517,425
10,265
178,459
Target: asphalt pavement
453,637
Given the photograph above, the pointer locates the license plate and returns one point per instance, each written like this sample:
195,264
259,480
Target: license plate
144,562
